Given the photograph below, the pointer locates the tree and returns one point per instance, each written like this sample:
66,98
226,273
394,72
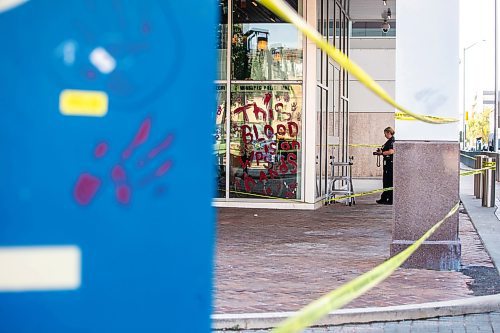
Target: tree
479,126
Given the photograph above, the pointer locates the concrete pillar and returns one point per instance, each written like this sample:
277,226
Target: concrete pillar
309,124
426,162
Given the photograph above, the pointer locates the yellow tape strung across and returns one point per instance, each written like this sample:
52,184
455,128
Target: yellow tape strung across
352,289
472,158
349,291
282,9
261,195
324,201
359,194
364,145
466,172
355,145
476,171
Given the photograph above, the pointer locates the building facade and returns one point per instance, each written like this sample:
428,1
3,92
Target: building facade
282,111
285,111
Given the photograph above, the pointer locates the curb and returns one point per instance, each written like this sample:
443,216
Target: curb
478,304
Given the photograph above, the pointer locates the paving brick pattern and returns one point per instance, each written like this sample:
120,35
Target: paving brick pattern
280,260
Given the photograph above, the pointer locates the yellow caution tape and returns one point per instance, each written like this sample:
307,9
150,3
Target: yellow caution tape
282,9
354,145
466,172
402,116
261,195
476,171
472,158
355,195
364,145
313,312
472,172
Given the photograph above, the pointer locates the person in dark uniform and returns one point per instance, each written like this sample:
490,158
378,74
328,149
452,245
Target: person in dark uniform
387,152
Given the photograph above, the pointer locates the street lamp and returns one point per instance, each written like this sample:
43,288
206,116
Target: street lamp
464,136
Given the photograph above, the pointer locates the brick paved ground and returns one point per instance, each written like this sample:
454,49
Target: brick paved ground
280,260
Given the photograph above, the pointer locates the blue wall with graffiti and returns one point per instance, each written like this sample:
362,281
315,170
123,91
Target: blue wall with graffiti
106,166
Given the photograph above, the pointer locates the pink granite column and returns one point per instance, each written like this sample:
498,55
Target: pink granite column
426,187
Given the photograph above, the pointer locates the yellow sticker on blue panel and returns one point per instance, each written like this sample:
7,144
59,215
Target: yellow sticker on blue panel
83,103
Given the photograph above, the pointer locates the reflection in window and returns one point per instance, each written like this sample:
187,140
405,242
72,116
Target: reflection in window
221,42
265,141
220,141
263,46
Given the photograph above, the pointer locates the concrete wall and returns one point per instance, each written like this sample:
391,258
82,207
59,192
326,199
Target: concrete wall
367,127
368,114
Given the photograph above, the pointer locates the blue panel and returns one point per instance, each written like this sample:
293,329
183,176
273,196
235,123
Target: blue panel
131,189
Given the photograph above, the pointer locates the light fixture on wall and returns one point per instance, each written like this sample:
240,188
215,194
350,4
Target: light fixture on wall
276,54
385,2
262,38
261,43
389,13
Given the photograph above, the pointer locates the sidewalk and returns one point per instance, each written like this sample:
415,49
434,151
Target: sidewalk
485,219
280,260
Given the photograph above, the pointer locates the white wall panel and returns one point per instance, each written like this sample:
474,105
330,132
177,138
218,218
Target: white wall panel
379,63
427,66
363,100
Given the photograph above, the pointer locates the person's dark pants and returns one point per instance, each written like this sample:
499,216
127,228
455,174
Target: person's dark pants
387,181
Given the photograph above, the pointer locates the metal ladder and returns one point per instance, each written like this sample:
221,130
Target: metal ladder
347,189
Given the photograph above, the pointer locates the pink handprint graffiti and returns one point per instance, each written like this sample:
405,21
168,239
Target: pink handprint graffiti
87,185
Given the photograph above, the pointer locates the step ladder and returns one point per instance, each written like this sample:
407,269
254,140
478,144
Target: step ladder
340,185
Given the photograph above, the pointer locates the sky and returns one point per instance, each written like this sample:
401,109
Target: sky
477,26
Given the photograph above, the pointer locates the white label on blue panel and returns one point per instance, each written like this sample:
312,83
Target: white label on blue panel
37,268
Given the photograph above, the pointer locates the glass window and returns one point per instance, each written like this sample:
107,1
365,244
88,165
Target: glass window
372,29
331,20
319,7
265,141
338,14
221,42
263,46
220,141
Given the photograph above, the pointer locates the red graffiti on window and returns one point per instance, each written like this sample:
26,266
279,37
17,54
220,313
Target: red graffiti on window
269,146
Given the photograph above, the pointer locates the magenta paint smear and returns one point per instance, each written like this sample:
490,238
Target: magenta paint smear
155,151
163,169
162,146
86,187
101,150
141,137
118,173
123,194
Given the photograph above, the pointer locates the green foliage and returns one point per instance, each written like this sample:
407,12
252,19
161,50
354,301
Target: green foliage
479,127
239,56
